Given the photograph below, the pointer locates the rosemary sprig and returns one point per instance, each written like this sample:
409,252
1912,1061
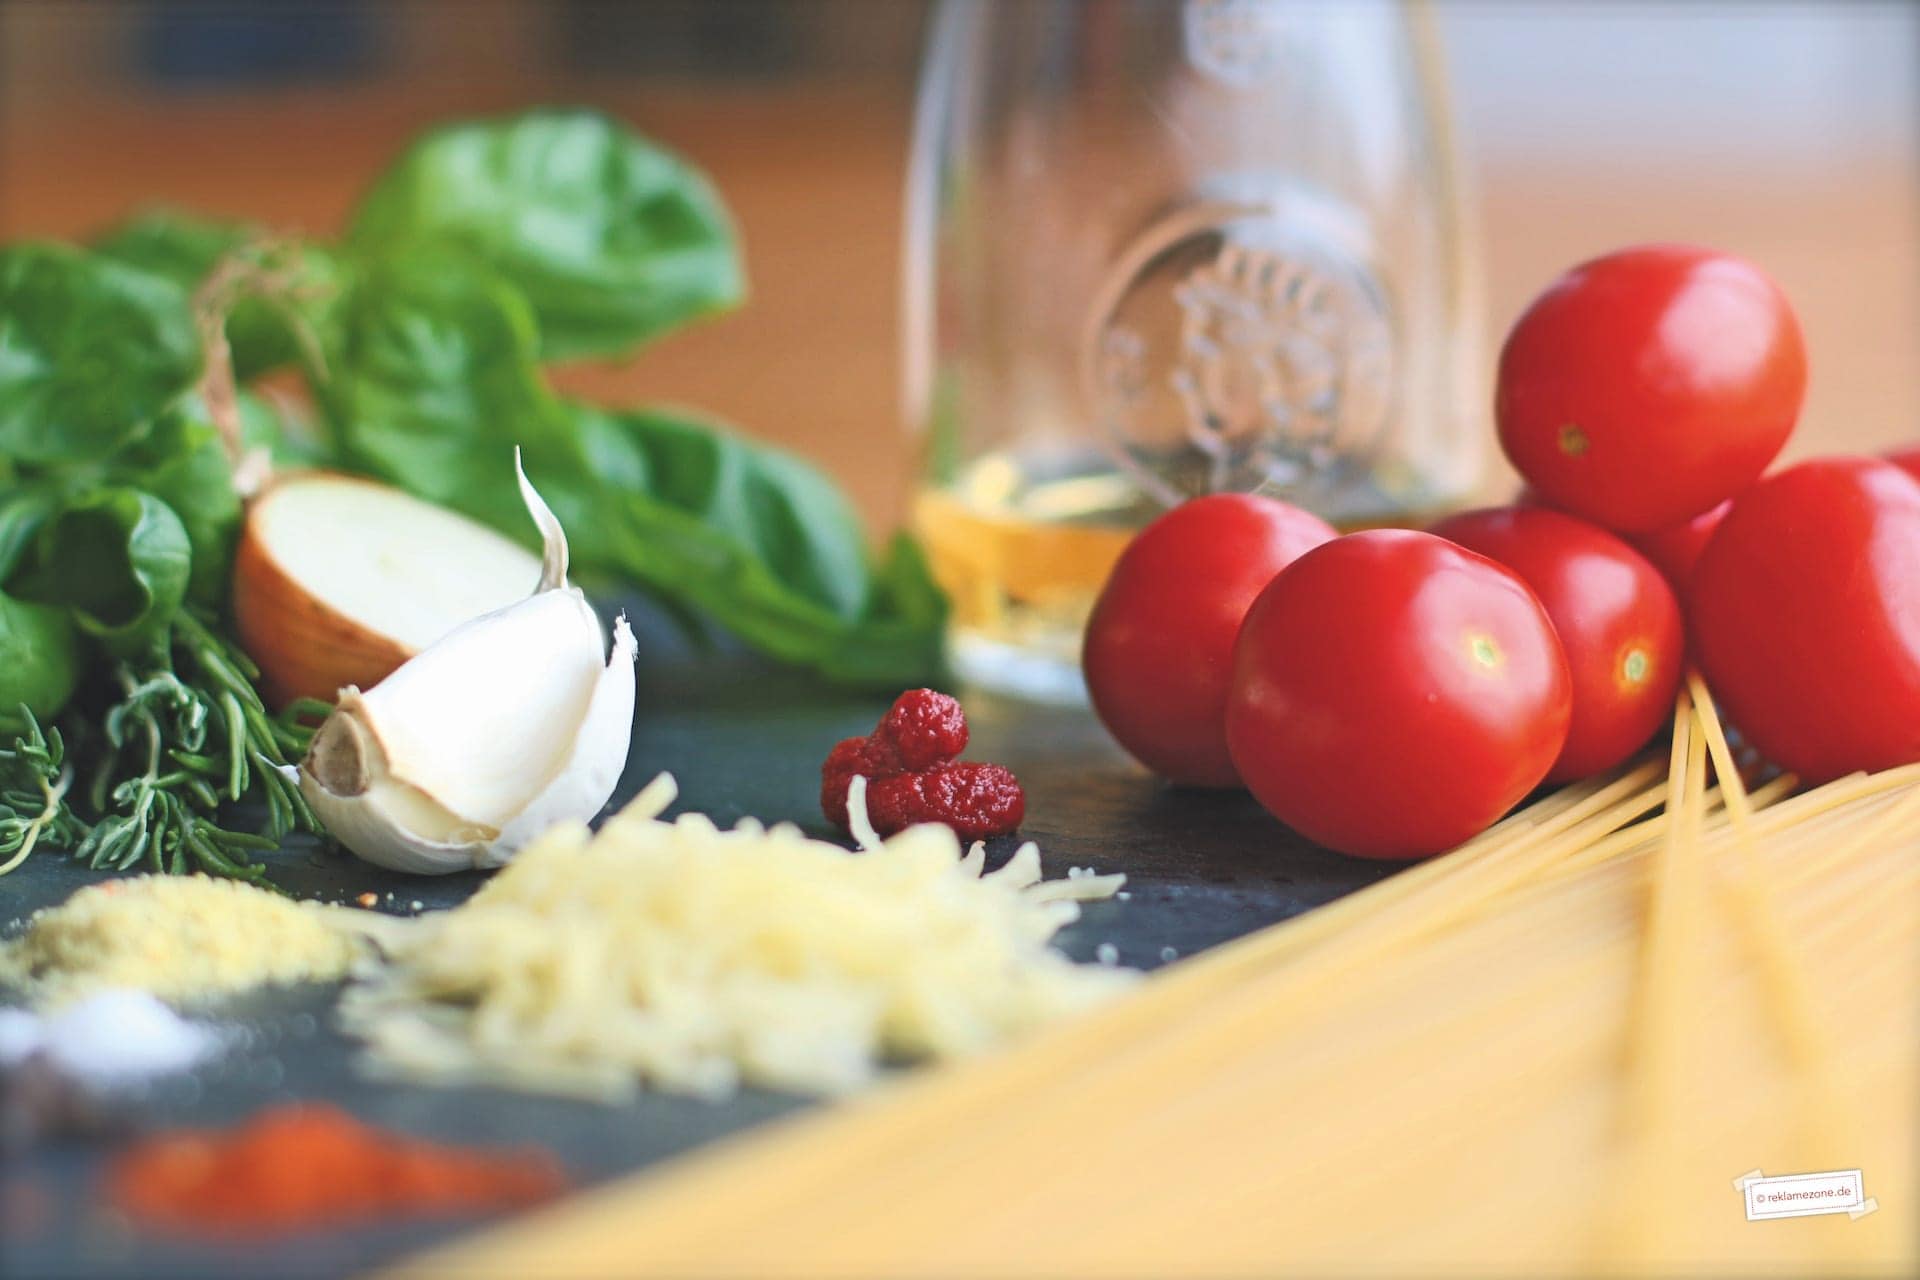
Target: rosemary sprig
33,788
186,733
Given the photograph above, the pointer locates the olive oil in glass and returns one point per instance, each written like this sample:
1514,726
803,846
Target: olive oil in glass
1161,248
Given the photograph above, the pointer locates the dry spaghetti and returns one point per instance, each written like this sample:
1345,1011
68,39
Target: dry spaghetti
1550,1052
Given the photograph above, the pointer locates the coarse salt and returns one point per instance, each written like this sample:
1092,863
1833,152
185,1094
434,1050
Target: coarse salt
114,1037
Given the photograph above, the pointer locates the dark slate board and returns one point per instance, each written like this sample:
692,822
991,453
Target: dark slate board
742,739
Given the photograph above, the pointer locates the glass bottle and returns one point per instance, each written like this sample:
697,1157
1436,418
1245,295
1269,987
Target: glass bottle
1159,248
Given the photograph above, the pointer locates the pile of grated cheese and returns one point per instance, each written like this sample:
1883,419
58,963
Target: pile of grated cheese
182,938
692,959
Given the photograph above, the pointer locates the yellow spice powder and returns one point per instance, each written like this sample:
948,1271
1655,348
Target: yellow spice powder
182,938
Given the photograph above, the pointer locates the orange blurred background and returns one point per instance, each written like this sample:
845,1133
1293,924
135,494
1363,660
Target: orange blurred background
1785,132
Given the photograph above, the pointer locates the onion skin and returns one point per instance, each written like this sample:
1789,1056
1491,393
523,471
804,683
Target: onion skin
303,647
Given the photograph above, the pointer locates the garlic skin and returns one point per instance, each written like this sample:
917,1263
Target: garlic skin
512,722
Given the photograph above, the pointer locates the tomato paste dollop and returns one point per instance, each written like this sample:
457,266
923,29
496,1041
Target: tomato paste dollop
913,774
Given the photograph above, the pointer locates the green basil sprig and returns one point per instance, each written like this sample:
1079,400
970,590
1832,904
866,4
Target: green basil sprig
270,324
39,657
610,239
126,722
117,558
182,464
435,377
492,246
91,352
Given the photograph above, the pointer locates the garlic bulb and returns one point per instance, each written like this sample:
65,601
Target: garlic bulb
510,723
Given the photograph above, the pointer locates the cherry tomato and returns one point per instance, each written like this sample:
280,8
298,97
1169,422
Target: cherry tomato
1393,694
1645,387
1805,614
1616,617
1675,549
1907,459
1159,645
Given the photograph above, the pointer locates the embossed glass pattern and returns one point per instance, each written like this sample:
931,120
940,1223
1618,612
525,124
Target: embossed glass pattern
1159,248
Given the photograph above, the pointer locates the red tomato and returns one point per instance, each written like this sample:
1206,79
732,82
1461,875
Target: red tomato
1394,694
1644,387
1159,645
1616,617
1908,459
1805,614
1675,549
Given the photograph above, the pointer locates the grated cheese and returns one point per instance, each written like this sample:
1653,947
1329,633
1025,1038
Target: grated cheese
694,958
182,938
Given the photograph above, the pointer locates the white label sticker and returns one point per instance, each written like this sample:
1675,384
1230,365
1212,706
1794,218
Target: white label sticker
1802,1195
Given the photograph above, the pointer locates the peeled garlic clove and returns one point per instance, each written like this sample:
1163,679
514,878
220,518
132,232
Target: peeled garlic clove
583,787
512,722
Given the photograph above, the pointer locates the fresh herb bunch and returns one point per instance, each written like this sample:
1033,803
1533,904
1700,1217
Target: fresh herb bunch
127,719
490,249
131,424
170,735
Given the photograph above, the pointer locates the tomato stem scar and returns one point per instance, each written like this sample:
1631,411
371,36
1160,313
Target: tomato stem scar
1636,666
1485,651
1573,441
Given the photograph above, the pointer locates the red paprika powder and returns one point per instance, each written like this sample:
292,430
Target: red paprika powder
308,1166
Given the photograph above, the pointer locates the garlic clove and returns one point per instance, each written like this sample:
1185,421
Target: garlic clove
483,720
368,825
512,722
583,787
553,538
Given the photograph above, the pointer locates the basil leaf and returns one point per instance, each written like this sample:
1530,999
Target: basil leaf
90,352
39,658
118,558
173,243
434,382
764,545
184,464
611,239
905,589
755,505
900,637
22,512
185,248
